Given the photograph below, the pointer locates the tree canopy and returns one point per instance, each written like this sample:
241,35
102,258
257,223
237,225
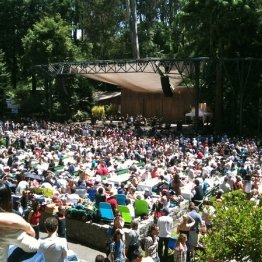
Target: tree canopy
35,32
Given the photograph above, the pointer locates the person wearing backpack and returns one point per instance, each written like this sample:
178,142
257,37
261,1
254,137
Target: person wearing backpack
151,243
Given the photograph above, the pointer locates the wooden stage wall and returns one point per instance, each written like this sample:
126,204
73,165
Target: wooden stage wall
171,109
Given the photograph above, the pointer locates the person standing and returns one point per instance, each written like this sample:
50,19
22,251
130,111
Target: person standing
118,247
34,218
151,243
133,241
53,247
165,224
60,215
180,252
193,236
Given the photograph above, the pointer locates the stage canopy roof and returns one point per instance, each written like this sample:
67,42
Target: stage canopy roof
135,75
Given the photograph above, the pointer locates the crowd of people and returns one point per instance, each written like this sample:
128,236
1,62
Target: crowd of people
70,158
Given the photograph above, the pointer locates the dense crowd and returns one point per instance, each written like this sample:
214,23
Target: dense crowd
73,160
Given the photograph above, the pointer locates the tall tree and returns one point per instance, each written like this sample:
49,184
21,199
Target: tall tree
102,23
133,28
4,82
47,42
218,29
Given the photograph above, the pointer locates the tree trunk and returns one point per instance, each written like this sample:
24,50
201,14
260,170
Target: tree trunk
218,98
133,28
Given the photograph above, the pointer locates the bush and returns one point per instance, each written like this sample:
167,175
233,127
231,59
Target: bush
80,116
98,112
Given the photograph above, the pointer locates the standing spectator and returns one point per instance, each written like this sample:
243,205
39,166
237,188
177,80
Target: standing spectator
53,247
165,224
61,222
118,222
180,254
238,184
133,241
34,218
185,225
151,243
118,247
193,237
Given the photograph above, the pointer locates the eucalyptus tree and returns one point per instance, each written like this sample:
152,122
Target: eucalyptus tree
102,23
4,82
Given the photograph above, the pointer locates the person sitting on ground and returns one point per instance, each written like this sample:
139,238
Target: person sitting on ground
53,247
130,208
100,196
198,193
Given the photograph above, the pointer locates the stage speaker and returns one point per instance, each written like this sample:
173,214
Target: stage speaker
167,90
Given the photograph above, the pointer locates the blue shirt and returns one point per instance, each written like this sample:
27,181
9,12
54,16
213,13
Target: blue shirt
197,218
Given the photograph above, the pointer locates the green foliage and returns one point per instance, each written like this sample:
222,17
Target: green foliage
237,232
220,28
4,82
98,112
80,116
31,104
48,41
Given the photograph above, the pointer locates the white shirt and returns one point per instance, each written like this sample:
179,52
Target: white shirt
53,248
165,224
23,185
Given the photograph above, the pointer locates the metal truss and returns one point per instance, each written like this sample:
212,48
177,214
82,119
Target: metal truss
166,66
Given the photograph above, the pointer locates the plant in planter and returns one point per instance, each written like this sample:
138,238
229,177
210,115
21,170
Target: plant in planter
97,113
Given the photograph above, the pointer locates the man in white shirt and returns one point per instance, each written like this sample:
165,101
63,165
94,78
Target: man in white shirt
53,247
165,224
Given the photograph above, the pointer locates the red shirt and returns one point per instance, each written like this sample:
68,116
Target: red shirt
35,218
112,202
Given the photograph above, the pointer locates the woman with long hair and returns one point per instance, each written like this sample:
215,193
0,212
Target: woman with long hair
15,233
34,218
151,243
180,253
118,247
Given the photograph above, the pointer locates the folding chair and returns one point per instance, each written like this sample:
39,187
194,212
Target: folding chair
121,199
125,214
106,212
91,194
141,207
